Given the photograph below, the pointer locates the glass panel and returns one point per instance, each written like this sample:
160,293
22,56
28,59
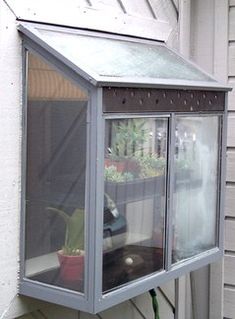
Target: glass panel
134,200
119,58
55,186
196,185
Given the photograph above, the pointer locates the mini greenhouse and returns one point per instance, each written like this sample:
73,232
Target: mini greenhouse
124,166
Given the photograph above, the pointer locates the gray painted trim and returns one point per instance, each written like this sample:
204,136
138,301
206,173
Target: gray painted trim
159,114
99,183
170,193
23,161
92,201
108,116
89,207
162,83
177,298
201,114
223,175
222,140
220,188
54,294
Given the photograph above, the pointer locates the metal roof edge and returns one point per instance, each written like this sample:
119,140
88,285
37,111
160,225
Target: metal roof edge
163,83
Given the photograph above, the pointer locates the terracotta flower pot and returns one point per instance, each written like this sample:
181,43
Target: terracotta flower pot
71,267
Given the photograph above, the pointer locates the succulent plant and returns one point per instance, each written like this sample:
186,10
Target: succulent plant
111,174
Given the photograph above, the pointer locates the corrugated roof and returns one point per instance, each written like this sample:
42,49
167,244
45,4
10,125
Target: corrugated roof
142,18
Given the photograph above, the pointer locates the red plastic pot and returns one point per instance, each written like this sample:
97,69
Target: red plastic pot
71,267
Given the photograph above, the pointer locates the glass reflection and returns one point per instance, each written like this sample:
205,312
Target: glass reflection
196,185
55,187
134,202
121,58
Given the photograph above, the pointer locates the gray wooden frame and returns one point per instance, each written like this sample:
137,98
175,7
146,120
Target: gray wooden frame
75,299
93,300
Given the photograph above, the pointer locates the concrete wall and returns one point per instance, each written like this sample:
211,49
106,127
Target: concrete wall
10,141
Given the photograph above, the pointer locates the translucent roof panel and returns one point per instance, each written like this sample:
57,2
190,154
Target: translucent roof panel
107,57
103,59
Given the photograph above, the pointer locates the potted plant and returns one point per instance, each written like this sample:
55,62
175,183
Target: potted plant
128,187
128,139
71,255
151,165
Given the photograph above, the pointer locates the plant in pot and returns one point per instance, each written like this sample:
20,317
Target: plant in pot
112,174
71,256
128,138
151,165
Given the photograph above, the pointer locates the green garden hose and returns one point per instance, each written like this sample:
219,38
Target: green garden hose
154,303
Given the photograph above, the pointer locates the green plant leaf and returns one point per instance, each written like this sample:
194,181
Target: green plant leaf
75,230
60,212
74,234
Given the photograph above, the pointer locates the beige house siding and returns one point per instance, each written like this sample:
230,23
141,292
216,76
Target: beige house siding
229,260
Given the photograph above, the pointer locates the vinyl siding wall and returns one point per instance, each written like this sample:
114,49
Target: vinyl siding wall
229,260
